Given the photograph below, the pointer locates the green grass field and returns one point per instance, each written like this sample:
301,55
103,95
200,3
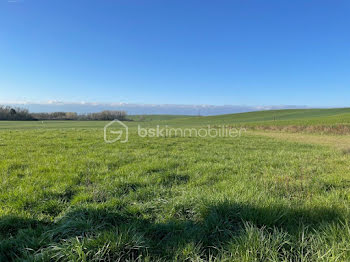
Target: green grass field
66,195
276,117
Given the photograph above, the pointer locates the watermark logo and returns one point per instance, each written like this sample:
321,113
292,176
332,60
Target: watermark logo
116,131
208,131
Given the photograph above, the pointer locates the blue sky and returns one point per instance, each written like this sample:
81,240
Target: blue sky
235,52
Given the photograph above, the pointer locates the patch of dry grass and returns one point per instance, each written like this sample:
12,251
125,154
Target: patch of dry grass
339,142
338,129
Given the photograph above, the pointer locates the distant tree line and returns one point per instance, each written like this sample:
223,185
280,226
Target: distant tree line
104,115
10,113
14,113
56,116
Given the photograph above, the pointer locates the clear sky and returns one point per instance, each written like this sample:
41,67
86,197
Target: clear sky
176,52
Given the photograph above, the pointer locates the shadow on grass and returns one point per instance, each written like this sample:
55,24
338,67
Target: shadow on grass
128,236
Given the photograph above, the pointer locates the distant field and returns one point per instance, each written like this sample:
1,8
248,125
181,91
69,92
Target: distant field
332,121
134,120
278,117
155,117
66,195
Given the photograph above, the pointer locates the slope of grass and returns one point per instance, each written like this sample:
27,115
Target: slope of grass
68,196
332,121
276,116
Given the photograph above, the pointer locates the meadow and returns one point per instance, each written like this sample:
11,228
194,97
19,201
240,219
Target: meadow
66,195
